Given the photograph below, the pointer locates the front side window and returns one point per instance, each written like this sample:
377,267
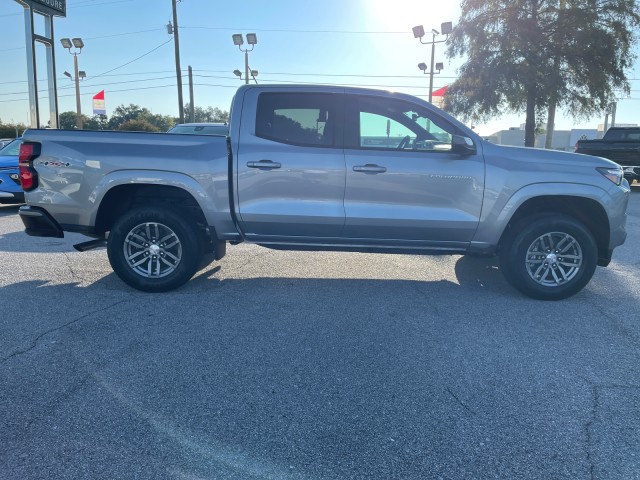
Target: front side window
307,119
398,125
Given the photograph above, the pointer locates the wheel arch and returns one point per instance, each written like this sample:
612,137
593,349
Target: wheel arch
586,210
121,198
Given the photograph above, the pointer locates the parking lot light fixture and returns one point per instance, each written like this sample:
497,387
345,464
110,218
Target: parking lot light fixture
238,40
78,44
446,28
418,32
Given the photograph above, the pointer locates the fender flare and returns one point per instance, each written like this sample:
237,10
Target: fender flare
150,177
493,225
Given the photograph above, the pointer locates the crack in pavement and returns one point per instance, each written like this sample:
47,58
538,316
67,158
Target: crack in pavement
460,401
250,260
617,324
68,263
34,342
595,407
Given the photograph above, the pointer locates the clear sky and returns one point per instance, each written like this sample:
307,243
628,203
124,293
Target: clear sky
129,54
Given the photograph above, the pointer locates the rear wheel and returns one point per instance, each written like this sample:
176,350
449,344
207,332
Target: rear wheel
549,257
154,249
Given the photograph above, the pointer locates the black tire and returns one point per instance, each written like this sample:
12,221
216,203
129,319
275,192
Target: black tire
552,272
154,249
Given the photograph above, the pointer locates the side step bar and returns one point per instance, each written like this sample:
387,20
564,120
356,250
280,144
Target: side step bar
90,245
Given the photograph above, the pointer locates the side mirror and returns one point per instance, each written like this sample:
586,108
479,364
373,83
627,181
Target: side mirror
463,145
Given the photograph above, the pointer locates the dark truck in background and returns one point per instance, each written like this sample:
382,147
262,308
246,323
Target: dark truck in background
620,144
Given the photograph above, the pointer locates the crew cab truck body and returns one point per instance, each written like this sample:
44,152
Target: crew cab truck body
317,167
619,144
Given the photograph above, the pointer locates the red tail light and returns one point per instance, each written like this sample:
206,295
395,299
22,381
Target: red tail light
28,175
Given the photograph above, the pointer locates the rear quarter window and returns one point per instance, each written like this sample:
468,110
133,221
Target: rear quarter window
306,119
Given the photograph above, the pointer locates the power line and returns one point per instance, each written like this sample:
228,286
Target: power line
173,86
129,90
135,59
283,30
127,33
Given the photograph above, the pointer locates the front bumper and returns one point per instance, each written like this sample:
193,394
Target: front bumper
11,197
10,189
38,222
631,173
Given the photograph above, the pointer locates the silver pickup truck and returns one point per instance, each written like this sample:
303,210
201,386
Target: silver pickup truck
317,167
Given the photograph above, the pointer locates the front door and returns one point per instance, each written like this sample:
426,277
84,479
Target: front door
405,185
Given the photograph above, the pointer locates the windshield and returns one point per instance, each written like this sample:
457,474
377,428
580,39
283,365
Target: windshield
11,149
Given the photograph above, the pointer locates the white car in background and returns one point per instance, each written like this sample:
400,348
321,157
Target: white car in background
201,129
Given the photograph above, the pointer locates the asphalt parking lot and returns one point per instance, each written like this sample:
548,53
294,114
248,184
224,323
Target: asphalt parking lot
292,365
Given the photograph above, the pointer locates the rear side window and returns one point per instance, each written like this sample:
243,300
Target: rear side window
306,119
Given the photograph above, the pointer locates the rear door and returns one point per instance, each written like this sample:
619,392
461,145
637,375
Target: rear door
290,165
405,185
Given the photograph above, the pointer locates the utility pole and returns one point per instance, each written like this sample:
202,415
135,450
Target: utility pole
176,40
192,113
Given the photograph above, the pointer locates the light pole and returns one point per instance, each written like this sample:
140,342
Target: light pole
78,44
418,32
252,40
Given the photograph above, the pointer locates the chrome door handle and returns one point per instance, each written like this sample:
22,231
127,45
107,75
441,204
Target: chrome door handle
369,168
264,165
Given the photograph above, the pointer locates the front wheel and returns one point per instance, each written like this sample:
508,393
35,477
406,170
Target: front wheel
154,249
549,257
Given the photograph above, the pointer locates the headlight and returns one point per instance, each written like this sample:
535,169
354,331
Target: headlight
612,173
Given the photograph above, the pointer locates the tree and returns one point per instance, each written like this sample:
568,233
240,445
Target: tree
210,114
139,125
522,55
69,121
123,114
10,130
97,122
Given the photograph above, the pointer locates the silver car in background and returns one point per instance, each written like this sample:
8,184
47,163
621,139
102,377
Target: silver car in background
201,129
